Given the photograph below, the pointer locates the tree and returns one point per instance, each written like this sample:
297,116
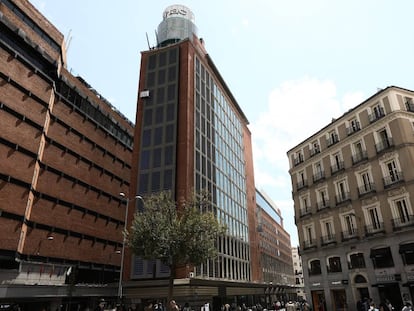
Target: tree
177,235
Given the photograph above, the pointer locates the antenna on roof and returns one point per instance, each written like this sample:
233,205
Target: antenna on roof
68,41
149,48
156,36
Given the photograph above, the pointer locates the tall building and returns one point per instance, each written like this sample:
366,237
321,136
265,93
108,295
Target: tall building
275,252
65,157
191,134
298,271
353,194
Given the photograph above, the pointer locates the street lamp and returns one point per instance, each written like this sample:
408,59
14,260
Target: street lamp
122,194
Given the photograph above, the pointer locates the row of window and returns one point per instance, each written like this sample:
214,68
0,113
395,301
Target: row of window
373,222
353,125
380,257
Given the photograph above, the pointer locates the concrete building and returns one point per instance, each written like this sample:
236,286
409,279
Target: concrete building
298,271
353,194
275,252
65,157
191,134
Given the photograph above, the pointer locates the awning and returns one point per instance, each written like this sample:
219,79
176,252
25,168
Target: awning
407,248
380,252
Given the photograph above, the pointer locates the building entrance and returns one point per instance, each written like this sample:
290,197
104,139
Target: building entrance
339,300
392,293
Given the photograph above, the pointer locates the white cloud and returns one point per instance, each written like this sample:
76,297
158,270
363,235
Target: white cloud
296,110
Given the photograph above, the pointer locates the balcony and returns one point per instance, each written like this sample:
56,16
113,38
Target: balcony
375,228
332,140
353,128
384,144
318,176
323,205
315,151
394,178
308,244
328,239
409,106
349,235
298,160
376,115
359,157
301,184
342,198
366,189
305,211
338,166
403,222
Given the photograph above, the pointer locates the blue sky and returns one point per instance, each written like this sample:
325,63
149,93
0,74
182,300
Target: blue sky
292,65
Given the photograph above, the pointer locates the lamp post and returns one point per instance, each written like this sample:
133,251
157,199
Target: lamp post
123,242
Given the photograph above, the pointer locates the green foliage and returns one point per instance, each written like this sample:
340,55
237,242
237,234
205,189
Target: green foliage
176,236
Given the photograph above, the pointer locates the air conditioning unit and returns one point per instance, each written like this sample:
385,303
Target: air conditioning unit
191,274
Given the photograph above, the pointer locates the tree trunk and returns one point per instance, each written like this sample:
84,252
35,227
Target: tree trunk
171,285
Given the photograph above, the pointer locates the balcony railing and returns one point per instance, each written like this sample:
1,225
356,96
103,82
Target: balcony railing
402,222
323,204
343,197
328,239
301,184
392,179
376,115
359,157
353,128
318,176
374,228
349,235
409,106
309,244
333,139
314,151
338,166
384,144
304,211
365,189
298,160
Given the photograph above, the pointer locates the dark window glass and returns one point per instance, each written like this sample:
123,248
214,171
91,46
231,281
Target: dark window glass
145,160
158,136
150,79
173,56
198,140
357,261
147,117
171,92
160,96
152,61
335,264
382,258
143,183
168,155
168,179
408,257
155,182
170,112
169,133
315,267
146,138
159,115
198,162
198,101
172,74
156,157
163,59
161,76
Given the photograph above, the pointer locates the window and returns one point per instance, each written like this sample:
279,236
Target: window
353,126
315,267
322,197
374,223
359,153
298,158
337,162
401,211
308,233
328,234
318,171
334,264
407,253
382,258
384,141
391,171
301,177
305,205
377,112
332,138
314,148
342,192
349,226
364,182
356,261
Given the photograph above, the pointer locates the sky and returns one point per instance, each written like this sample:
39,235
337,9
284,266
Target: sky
291,65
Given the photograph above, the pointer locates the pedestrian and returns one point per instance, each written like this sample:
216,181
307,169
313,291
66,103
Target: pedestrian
290,306
407,306
101,305
174,306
